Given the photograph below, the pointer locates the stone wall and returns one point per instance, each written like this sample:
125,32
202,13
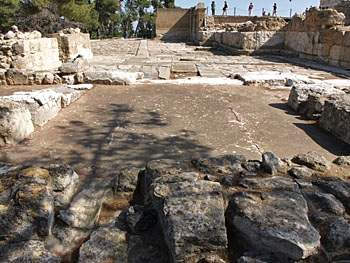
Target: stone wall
319,36
72,43
173,24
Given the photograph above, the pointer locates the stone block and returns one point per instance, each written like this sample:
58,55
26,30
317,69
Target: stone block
258,218
17,77
15,122
191,213
335,117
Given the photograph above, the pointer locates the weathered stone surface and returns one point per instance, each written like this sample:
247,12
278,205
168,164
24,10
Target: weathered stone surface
312,160
299,97
342,161
65,183
106,244
267,228
111,77
274,184
223,164
84,208
271,163
302,172
77,65
30,251
15,122
340,189
193,224
29,213
335,117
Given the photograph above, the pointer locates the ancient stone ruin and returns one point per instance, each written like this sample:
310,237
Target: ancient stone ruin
218,209
224,209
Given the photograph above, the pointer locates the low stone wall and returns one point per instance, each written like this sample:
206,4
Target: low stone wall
21,112
72,43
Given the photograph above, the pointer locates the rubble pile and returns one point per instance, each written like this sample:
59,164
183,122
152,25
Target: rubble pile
219,209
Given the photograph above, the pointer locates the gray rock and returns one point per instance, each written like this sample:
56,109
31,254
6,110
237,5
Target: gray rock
335,117
270,163
111,77
140,251
301,172
276,183
30,251
299,96
267,227
84,208
65,183
342,161
326,203
77,65
312,160
222,164
15,122
338,236
340,189
28,212
193,224
105,245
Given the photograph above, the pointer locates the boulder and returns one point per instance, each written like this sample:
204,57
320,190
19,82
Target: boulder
335,117
29,212
106,244
313,160
269,222
15,122
191,213
310,98
111,77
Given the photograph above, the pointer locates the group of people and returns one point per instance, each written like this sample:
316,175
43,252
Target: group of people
250,9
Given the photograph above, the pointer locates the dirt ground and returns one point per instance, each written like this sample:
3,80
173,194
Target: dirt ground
111,127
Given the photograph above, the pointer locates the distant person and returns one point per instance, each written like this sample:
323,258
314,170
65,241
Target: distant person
224,9
11,33
213,7
250,9
274,13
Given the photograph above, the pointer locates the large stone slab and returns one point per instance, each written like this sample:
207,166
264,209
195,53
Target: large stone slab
191,213
274,222
335,117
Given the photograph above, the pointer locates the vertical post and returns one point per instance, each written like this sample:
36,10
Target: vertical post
290,13
234,11
263,10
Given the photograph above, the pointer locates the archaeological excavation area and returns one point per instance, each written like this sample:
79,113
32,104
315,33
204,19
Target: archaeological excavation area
229,142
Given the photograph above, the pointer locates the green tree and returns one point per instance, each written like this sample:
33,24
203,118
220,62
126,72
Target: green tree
7,9
109,17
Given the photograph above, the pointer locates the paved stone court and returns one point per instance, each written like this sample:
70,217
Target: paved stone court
111,127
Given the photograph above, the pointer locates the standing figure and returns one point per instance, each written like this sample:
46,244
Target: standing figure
274,13
250,9
213,6
224,9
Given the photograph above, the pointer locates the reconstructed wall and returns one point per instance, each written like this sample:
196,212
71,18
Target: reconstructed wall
173,23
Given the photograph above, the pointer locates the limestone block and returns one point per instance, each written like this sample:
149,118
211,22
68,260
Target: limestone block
322,50
299,95
84,209
15,122
78,65
335,117
193,224
258,217
105,245
336,54
29,213
17,77
30,251
346,39
36,54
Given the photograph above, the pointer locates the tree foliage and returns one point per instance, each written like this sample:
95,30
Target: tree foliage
7,10
101,18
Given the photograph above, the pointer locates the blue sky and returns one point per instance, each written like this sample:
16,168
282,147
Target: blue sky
283,6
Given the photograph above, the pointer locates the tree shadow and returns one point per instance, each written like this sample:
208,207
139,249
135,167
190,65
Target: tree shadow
125,137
